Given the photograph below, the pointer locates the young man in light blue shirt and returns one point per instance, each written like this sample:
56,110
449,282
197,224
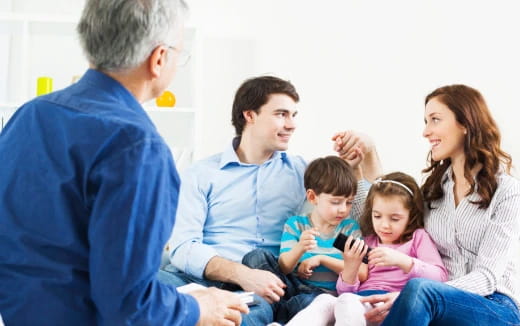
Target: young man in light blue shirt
237,201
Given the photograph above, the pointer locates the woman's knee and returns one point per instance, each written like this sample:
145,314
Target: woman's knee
420,287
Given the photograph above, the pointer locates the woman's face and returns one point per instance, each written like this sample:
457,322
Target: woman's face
445,134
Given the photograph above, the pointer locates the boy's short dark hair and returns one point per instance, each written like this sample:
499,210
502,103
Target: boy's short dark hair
330,175
255,92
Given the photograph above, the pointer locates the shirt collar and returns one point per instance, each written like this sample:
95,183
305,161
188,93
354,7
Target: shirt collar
229,156
107,84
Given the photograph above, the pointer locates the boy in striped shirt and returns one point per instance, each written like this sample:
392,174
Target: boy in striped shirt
306,245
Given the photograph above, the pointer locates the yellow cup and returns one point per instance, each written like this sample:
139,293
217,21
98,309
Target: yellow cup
43,85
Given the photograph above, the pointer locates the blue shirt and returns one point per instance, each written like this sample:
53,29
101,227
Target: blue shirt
322,276
228,208
88,195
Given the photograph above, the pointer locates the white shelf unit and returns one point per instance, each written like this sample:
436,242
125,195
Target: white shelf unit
36,43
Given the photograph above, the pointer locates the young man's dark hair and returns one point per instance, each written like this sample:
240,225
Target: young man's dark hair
330,175
254,93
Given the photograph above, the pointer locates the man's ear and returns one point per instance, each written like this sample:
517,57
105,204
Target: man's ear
249,115
157,60
311,196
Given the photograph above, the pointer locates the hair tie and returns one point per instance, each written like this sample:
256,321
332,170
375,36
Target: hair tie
379,180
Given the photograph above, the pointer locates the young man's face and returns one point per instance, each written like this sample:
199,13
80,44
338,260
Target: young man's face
273,125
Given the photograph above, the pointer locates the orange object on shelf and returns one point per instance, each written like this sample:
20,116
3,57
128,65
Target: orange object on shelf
167,99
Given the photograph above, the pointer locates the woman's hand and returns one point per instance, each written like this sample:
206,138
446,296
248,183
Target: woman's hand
382,304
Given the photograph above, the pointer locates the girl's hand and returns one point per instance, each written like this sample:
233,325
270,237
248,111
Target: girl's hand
307,266
382,256
352,257
308,240
356,252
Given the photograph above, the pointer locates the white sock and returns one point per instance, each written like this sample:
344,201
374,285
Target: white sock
319,313
349,311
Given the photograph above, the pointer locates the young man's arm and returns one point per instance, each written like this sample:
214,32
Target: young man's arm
346,142
189,253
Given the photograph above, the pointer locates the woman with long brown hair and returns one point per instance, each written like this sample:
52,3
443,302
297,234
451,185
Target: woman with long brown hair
473,216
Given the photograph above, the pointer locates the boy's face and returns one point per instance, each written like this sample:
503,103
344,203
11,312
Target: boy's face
273,125
389,217
330,209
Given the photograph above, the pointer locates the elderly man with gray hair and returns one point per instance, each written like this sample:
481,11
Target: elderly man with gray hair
89,189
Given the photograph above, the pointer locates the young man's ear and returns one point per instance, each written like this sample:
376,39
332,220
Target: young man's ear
157,60
249,115
311,196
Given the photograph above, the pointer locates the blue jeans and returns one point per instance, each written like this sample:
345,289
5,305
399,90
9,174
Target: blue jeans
260,314
366,293
427,302
297,294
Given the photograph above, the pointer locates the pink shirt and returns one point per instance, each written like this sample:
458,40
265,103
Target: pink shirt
427,263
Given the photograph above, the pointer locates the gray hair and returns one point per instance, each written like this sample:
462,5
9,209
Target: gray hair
120,34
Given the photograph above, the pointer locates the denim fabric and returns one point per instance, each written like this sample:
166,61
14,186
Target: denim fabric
426,302
259,314
366,293
297,294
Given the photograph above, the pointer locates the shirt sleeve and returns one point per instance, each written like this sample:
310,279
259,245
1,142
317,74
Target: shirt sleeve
290,236
189,253
427,262
343,287
133,198
363,186
496,248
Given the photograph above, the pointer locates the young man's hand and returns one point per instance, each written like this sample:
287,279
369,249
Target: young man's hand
347,142
219,307
263,283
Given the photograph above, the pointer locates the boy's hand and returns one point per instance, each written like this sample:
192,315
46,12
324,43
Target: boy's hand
308,240
382,256
307,266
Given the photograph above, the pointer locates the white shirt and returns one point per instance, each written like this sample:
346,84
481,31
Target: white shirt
479,246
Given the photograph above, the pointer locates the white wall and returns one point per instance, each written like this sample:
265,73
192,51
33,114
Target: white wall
363,65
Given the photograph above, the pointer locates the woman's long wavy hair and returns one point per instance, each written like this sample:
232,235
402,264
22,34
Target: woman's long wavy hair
481,145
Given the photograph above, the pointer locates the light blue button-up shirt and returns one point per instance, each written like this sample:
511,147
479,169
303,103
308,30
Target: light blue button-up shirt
228,208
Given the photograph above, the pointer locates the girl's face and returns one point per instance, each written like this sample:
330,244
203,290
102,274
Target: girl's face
389,217
445,134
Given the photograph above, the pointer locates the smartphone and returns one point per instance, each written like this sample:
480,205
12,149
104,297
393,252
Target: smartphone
340,242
